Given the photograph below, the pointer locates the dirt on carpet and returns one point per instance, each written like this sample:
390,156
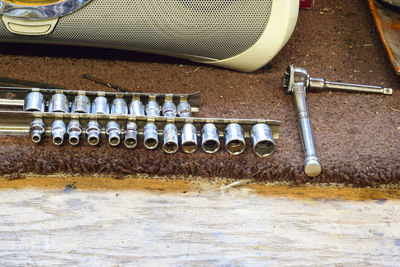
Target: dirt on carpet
357,136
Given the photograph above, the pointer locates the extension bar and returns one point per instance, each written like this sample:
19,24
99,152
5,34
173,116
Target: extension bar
15,96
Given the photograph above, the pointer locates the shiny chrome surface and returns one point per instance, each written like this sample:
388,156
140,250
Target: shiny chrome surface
169,109
113,131
235,143
100,105
119,106
209,138
189,138
34,101
152,108
58,131
312,166
136,108
81,104
150,135
40,12
184,109
19,95
74,130
300,75
262,140
170,137
93,132
37,128
59,103
131,135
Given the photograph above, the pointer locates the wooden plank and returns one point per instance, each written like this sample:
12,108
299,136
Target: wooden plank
62,224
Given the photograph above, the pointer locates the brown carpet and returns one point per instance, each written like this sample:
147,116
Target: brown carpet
357,135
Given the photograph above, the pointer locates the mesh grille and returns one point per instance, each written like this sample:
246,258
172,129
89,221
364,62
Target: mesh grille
209,28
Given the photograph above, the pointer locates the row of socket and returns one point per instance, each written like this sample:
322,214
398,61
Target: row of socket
35,101
261,136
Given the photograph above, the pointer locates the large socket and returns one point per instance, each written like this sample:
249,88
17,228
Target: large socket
59,103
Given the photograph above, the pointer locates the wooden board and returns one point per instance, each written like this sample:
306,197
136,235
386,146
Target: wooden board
388,24
73,222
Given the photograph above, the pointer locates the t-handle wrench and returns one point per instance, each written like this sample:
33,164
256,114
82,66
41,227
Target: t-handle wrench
320,84
297,82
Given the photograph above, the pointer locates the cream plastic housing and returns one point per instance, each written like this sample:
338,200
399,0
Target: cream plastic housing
281,24
282,20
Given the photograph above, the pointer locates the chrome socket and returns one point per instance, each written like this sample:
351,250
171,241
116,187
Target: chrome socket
113,131
58,131
34,101
131,135
235,143
150,135
184,109
262,140
59,103
136,108
81,104
152,108
119,107
169,109
74,130
93,131
37,128
100,106
209,138
189,138
170,135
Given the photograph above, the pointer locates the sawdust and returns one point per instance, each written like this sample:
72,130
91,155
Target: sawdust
198,185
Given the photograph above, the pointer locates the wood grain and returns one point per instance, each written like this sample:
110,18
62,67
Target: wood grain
51,227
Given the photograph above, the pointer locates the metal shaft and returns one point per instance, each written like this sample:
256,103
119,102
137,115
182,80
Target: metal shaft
319,83
312,167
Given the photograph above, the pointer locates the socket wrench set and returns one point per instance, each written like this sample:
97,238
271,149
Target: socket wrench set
129,118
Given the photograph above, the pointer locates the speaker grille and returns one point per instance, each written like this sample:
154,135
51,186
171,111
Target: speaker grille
209,28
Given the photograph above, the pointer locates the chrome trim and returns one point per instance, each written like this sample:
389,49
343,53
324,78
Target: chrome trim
41,12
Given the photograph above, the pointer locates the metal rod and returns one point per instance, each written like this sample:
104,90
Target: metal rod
312,166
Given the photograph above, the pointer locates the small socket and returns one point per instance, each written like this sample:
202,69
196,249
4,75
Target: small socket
74,130
37,128
131,135
170,136
100,106
136,108
113,131
189,138
81,104
184,109
169,109
59,103
58,131
93,131
150,135
34,101
119,107
152,108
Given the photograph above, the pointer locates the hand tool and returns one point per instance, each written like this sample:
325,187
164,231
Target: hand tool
297,81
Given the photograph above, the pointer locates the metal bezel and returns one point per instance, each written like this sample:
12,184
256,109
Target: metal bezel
41,12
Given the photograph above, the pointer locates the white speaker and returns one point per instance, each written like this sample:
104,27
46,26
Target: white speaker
238,34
